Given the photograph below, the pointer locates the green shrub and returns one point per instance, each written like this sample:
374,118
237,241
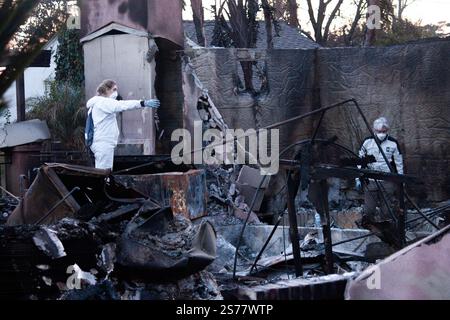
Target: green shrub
63,107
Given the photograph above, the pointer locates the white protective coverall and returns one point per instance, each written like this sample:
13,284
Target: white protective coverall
372,197
106,130
391,149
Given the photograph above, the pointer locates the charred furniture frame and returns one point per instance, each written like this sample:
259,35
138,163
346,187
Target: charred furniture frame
301,172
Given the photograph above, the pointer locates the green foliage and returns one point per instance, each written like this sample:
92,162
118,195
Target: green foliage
5,112
69,58
63,104
404,31
25,26
63,107
45,21
12,16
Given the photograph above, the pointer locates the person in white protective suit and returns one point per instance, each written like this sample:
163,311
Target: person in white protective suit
372,196
104,107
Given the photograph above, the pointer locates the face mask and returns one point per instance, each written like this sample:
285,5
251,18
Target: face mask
381,136
114,95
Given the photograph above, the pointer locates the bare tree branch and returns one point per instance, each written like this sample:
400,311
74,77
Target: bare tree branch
331,18
357,18
311,14
401,6
306,33
292,10
267,9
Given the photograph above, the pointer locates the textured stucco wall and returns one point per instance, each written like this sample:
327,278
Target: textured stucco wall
289,75
408,84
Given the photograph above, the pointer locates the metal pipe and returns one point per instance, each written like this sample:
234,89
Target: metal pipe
292,186
354,239
10,194
266,244
245,224
316,131
56,205
401,223
420,212
381,191
326,228
431,213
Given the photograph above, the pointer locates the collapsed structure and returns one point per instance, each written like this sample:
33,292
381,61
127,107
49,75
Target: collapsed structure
156,230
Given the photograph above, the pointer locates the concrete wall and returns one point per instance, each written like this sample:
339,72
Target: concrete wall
409,84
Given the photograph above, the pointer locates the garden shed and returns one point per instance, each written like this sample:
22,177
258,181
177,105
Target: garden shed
125,55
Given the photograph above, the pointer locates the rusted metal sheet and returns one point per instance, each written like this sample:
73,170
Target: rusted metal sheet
46,190
163,19
19,170
22,133
418,272
184,192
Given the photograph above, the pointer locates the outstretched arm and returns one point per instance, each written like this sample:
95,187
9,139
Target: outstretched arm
123,105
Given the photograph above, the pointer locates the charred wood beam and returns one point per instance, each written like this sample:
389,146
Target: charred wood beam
401,223
327,171
292,187
266,243
119,213
245,224
20,97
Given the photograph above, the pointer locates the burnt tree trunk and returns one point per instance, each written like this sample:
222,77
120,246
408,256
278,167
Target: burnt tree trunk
198,17
292,11
279,9
370,31
268,20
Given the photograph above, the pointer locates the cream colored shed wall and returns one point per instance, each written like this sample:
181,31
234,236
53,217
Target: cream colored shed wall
124,58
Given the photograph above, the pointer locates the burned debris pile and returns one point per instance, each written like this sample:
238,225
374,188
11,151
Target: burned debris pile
82,234
7,205
92,247
162,231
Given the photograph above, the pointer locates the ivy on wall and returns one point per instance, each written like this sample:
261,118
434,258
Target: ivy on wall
63,104
69,58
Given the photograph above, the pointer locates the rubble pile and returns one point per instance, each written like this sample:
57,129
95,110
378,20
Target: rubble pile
176,241
172,235
77,260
